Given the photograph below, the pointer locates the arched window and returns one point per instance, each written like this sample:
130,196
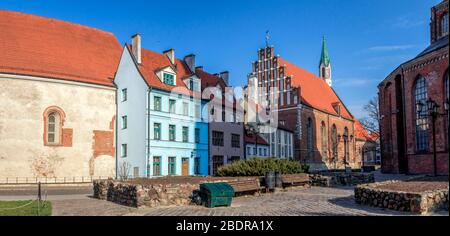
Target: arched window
446,90
444,25
421,96
53,122
323,72
323,138
346,145
310,137
334,140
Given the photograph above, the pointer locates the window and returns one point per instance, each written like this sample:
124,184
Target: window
172,133
334,140
185,108
197,166
217,138
421,95
157,131
124,122
191,84
124,151
172,166
124,95
197,135
217,163
235,140
310,137
249,151
53,128
323,138
172,106
233,159
197,111
444,25
157,104
346,145
157,166
169,79
185,134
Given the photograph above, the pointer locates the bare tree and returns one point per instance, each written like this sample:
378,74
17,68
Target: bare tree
372,121
124,170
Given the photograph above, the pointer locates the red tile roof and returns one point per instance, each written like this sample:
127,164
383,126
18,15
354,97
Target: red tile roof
211,81
152,62
314,91
361,133
45,47
250,139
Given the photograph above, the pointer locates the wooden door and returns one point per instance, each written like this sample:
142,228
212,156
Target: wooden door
185,167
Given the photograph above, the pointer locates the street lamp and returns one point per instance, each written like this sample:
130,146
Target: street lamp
432,109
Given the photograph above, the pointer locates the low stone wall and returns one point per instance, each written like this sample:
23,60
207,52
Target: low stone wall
423,203
152,193
328,179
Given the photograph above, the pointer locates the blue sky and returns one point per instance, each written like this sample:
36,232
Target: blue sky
366,39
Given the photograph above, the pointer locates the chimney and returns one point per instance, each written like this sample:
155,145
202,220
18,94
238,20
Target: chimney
171,55
190,62
225,76
199,68
136,47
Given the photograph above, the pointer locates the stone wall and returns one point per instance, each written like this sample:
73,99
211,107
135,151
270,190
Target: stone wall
345,179
153,192
425,202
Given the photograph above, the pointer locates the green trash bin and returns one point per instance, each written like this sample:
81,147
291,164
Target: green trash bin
217,194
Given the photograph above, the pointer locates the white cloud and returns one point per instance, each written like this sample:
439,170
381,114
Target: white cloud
353,82
387,48
407,23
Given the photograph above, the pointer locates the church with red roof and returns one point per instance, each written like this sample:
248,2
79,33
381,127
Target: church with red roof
324,129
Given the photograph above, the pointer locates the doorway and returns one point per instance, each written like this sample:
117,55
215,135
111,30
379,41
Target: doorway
185,167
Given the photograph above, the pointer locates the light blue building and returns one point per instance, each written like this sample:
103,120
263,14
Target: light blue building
160,130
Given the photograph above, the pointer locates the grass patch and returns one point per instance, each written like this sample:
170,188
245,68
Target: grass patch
25,208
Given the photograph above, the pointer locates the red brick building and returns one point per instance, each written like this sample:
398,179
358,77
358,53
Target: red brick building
324,130
406,133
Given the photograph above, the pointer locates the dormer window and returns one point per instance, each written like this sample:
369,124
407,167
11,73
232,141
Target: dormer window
169,79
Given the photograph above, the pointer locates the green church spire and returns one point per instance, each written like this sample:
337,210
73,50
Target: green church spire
324,58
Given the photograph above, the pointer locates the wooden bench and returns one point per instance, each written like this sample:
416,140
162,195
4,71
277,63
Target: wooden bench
295,180
245,185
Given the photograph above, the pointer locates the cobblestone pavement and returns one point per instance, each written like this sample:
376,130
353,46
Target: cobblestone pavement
315,201
89,207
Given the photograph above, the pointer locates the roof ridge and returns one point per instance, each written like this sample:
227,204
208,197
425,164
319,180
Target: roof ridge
57,20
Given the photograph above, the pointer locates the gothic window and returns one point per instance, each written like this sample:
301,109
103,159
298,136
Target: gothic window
53,122
444,25
323,72
310,137
334,140
346,145
421,96
323,137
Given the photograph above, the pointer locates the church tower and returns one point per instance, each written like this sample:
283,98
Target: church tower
325,65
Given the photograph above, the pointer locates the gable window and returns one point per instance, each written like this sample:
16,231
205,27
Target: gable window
124,95
157,103
124,122
185,134
172,132
169,79
421,96
346,145
172,106
191,84
157,131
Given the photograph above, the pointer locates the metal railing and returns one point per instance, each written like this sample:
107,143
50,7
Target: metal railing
51,180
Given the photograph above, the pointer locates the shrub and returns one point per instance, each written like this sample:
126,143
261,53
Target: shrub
260,166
